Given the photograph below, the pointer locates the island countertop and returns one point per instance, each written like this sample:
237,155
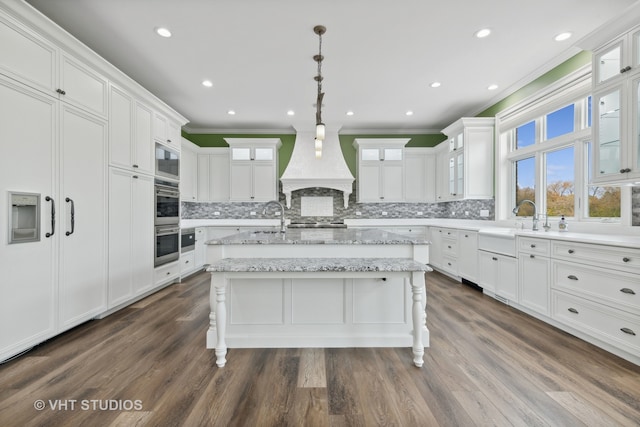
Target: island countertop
329,236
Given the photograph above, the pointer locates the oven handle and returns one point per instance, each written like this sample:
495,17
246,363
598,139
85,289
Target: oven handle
175,194
167,231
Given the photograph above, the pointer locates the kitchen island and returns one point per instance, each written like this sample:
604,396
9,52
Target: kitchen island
317,288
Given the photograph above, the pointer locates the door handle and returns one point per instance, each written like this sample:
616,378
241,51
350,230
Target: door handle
73,216
53,216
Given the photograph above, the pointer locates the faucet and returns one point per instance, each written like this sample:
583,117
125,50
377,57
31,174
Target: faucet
535,212
281,207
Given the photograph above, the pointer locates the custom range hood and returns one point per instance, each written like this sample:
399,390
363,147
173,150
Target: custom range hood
306,171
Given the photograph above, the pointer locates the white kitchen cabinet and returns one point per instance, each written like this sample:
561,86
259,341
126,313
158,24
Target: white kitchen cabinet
213,175
253,169
82,86
435,249
131,235
498,274
442,173
187,263
534,270
188,171
166,131
469,162
450,258
200,249
616,100
468,255
130,143
419,175
83,273
380,169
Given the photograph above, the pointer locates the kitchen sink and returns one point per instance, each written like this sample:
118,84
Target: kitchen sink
498,240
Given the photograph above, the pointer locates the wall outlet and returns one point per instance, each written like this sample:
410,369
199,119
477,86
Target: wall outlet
419,213
453,213
358,213
384,213
466,213
484,213
216,213
252,213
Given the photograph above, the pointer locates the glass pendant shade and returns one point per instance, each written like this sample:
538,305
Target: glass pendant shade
320,131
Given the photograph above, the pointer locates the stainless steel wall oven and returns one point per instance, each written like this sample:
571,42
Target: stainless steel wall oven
167,244
167,200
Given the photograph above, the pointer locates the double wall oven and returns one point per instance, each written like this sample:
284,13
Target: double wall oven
167,222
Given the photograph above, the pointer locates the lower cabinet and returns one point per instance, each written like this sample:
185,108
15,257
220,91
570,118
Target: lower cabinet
131,235
498,274
534,271
468,251
201,248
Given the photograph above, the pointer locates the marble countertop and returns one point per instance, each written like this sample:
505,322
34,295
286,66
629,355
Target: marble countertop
310,236
317,264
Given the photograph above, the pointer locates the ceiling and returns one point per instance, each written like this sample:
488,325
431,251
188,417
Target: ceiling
380,56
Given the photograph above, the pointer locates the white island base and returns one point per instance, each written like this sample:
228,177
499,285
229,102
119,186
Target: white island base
321,303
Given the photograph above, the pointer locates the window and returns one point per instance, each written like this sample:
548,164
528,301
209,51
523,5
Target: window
551,164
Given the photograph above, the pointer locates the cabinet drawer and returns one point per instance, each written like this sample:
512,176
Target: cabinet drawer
448,233
450,264
614,288
534,246
627,259
450,247
613,326
167,272
187,262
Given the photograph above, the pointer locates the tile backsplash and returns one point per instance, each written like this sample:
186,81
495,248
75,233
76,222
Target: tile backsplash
463,209
635,206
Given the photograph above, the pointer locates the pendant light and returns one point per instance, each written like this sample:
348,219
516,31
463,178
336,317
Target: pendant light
320,129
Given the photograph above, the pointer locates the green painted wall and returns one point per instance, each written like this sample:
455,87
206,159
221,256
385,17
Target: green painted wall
288,140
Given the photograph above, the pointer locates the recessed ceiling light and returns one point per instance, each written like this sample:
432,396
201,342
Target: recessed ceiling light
163,32
483,33
349,113
562,36
492,87
207,83
231,112
409,113
291,113
435,84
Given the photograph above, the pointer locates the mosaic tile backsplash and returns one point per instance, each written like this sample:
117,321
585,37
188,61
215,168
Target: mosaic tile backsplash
635,206
463,209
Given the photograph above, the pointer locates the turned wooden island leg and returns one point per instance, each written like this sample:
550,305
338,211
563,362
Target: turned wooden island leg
419,316
218,317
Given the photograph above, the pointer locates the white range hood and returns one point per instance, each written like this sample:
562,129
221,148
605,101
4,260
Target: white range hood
306,171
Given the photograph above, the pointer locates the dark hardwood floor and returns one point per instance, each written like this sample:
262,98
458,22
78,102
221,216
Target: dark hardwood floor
488,365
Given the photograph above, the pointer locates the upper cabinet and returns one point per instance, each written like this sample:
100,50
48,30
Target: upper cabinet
253,169
420,175
166,131
467,172
616,100
380,169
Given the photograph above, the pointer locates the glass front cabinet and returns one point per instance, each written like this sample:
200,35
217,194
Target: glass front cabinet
617,111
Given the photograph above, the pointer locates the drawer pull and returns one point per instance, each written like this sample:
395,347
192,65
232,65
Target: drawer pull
628,331
449,246
533,246
570,251
627,291
625,259
572,310
532,256
572,277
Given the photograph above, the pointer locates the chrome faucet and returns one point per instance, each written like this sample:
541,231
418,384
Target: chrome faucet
535,212
281,207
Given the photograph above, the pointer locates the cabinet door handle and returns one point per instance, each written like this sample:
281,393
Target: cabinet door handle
572,277
533,246
135,166
532,256
625,69
627,291
572,310
53,216
628,331
625,259
449,246
61,92
623,170
494,258
73,216
571,251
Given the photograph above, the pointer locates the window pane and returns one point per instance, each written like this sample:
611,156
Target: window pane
560,182
602,202
393,153
589,109
525,184
526,135
264,153
560,122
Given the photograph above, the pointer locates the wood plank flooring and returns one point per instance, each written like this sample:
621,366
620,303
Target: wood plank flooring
488,365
